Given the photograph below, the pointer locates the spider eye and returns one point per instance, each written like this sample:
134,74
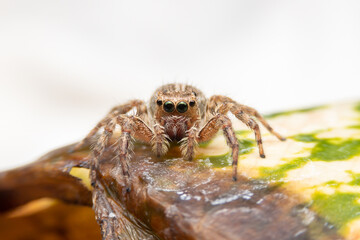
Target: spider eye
169,106
182,107
192,103
159,102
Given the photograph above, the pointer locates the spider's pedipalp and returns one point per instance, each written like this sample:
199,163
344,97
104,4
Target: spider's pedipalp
189,143
159,141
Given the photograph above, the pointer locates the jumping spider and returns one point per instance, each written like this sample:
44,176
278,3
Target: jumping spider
178,113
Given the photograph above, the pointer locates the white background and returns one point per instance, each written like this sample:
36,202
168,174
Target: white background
64,64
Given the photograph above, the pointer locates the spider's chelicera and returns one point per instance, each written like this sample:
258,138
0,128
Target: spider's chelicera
178,113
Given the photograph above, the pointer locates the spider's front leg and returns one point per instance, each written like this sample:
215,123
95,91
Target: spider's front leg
223,104
207,133
131,127
114,112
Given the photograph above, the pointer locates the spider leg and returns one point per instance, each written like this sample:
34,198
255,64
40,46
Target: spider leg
124,149
103,209
111,226
131,127
208,132
99,148
242,116
223,104
232,142
142,112
120,109
255,113
92,133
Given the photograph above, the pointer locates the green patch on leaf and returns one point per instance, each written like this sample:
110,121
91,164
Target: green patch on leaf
280,172
329,149
338,208
355,178
221,160
333,184
240,133
245,146
225,160
357,107
204,144
304,110
311,137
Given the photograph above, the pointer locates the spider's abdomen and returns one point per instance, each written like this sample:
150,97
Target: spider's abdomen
175,127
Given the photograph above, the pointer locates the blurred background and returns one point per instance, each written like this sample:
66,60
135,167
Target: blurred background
64,64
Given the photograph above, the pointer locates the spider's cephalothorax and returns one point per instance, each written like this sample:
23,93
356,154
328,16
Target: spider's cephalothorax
177,108
177,113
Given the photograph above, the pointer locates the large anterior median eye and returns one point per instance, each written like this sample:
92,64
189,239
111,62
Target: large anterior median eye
169,106
182,107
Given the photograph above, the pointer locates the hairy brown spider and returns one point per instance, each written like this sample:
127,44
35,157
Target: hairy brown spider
178,113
